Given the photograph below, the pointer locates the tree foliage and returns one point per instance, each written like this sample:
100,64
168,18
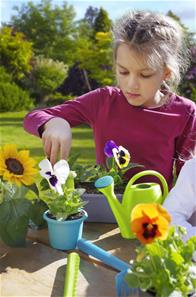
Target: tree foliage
91,15
12,97
84,46
102,22
46,76
94,52
49,28
15,52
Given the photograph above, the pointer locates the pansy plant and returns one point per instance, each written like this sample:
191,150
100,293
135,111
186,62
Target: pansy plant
118,161
163,263
59,192
117,164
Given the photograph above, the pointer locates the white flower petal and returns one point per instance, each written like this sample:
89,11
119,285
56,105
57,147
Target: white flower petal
43,174
74,174
45,166
115,153
61,171
59,189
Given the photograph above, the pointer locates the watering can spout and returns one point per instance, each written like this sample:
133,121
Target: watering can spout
105,185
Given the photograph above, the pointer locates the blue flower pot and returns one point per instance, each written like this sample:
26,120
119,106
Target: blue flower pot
64,235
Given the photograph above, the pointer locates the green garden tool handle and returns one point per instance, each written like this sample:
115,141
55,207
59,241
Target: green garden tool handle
71,277
153,173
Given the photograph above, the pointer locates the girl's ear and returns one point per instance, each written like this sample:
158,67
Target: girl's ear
167,73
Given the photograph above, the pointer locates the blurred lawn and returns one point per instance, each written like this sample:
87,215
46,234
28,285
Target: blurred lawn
11,131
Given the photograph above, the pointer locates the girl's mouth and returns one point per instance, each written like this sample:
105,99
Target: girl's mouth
132,95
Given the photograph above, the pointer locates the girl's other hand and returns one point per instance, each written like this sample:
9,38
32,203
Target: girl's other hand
57,139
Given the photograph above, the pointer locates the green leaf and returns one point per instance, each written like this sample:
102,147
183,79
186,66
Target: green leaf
177,258
110,163
72,159
37,210
129,166
44,185
20,192
34,189
14,217
131,279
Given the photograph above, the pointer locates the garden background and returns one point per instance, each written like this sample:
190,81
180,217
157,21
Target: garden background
47,57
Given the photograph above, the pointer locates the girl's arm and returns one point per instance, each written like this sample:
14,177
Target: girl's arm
54,124
181,201
185,143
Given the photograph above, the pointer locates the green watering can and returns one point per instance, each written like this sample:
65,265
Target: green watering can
133,195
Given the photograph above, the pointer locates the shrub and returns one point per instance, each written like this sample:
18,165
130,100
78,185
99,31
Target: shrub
46,76
15,52
13,98
4,75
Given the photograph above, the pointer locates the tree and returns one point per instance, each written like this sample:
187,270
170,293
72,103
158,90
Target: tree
90,15
102,22
78,82
49,28
15,53
93,55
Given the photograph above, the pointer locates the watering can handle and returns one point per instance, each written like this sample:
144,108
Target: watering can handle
154,173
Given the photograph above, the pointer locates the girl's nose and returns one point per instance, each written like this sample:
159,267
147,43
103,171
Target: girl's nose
133,82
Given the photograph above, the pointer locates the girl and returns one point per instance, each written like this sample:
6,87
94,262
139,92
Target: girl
181,201
142,114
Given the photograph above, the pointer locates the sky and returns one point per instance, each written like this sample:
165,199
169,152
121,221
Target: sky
185,9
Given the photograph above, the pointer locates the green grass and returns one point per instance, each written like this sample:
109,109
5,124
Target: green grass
11,131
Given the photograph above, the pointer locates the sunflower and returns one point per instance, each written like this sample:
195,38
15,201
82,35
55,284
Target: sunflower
150,221
16,166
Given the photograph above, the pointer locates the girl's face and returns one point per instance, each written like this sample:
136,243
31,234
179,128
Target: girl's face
139,83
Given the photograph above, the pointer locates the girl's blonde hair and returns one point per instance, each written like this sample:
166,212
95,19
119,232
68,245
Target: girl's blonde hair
158,38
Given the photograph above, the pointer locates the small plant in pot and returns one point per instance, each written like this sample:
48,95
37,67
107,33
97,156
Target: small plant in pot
65,214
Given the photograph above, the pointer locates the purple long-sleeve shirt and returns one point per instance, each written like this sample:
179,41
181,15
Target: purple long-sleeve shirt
155,137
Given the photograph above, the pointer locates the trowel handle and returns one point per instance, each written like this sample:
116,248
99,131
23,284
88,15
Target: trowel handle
154,173
92,250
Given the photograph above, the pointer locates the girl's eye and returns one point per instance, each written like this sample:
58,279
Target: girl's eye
146,76
123,72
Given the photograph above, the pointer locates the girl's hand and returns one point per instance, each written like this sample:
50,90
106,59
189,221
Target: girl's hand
57,139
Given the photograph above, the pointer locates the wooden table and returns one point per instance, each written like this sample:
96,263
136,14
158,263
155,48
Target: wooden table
39,270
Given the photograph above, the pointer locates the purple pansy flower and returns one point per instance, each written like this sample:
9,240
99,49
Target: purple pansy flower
108,148
120,154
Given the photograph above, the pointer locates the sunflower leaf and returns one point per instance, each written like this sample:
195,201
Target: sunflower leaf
37,210
14,218
20,192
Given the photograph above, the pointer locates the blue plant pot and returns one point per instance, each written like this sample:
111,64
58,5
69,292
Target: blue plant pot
64,235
